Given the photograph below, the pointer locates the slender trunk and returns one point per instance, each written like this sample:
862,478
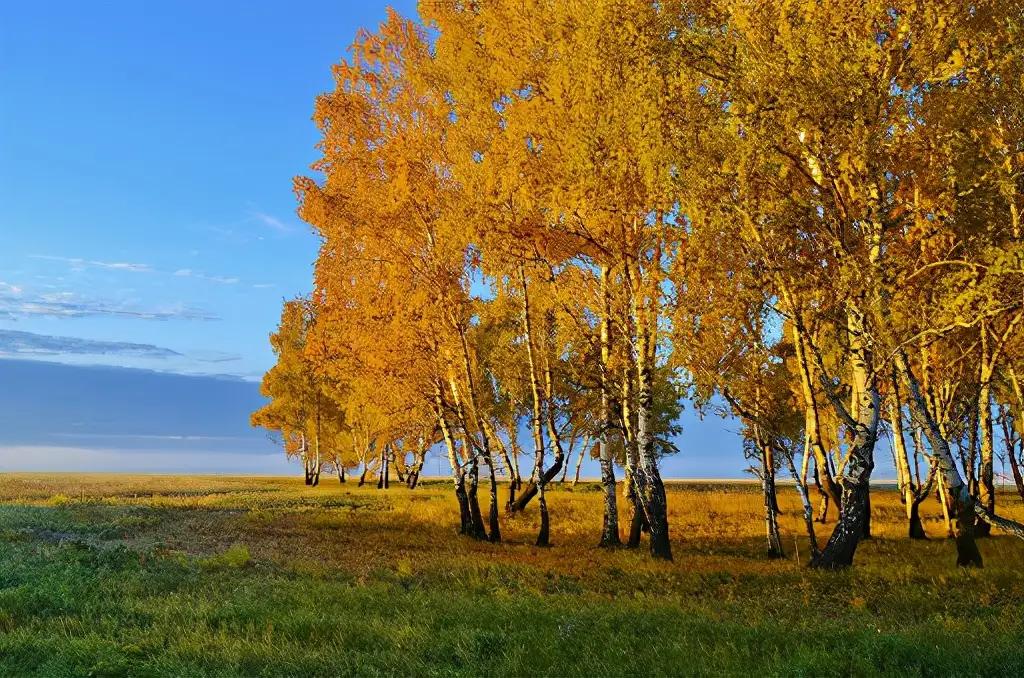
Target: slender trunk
909,494
417,468
503,451
610,523
579,460
471,466
636,512
493,524
549,398
823,498
1017,412
544,534
477,427
812,421
479,532
986,480
465,521
963,503
637,523
650,488
808,511
771,518
538,480
944,501
1018,481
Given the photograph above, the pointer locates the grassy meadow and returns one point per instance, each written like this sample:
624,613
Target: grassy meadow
158,575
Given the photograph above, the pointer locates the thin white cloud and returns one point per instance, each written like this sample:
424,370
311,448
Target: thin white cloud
223,280
73,305
10,289
263,286
272,222
78,264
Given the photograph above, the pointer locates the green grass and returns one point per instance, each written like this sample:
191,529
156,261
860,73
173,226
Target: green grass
284,580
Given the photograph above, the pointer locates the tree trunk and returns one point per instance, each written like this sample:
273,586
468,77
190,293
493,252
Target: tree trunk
382,474
854,504
986,480
823,498
544,534
1011,452
963,503
911,495
771,519
495,527
1016,413
512,472
579,461
474,417
458,473
805,500
539,479
944,501
916,529
479,531
610,522
812,420
842,545
650,488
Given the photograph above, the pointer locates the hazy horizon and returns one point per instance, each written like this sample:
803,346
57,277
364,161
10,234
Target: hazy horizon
126,419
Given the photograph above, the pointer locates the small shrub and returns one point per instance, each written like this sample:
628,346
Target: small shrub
235,558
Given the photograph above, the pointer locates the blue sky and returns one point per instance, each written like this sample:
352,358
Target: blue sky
146,158
147,220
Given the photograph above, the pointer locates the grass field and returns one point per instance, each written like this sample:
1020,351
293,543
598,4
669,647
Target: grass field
160,575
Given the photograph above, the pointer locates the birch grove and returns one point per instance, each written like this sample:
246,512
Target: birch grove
548,226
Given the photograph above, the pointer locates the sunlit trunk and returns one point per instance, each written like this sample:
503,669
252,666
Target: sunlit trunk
579,460
963,503
637,522
1017,411
465,521
800,480
649,486
610,523
771,506
986,480
812,419
471,424
538,480
854,511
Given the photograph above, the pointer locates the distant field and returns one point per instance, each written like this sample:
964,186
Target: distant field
162,575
